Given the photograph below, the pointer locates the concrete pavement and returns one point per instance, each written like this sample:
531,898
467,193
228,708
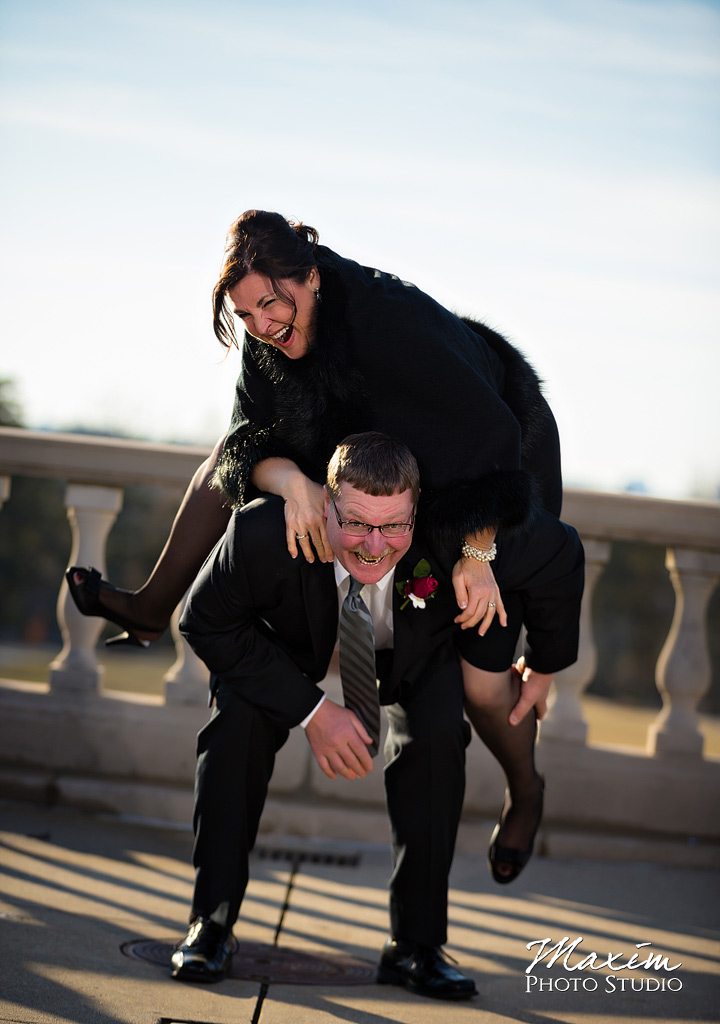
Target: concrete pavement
78,894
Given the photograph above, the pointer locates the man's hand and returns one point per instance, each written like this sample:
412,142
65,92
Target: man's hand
534,689
339,742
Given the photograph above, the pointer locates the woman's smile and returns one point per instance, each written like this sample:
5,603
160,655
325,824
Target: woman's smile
282,337
282,315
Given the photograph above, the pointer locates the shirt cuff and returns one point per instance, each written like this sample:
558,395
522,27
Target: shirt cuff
306,721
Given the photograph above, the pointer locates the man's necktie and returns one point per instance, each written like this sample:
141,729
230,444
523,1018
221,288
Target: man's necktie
357,663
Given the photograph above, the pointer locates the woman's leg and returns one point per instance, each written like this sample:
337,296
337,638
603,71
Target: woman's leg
489,699
199,524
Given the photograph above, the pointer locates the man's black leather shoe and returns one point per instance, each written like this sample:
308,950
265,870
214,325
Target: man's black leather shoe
422,969
204,954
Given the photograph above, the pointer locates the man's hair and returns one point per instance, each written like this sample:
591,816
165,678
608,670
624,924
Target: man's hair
374,463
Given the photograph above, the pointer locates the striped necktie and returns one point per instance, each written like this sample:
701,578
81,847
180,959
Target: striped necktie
357,663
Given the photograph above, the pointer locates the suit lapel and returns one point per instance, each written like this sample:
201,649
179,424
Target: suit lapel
320,608
410,625
416,629
403,632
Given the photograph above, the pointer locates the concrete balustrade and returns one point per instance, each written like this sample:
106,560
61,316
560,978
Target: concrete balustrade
683,668
186,679
64,739
565,720
92,512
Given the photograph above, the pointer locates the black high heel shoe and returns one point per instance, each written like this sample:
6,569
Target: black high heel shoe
86,595
509,856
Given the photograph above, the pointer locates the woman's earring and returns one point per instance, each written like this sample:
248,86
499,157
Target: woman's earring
318,296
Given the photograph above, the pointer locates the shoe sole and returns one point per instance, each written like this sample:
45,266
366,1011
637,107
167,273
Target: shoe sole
199,973
199,977
390,976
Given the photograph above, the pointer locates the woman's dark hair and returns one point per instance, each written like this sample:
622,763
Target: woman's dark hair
262,243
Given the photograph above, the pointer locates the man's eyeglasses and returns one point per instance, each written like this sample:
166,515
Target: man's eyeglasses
354,529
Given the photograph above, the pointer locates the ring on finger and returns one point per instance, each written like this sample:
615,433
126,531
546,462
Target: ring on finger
302,536
491,604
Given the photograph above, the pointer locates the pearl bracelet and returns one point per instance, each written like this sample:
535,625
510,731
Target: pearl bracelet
479,554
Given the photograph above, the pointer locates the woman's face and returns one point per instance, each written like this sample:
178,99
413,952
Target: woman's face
267,315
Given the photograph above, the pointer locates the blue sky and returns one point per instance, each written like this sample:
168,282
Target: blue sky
550,167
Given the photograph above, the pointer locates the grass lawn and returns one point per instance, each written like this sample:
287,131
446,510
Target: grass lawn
135,671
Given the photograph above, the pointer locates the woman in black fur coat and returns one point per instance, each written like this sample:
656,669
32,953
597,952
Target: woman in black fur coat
333,348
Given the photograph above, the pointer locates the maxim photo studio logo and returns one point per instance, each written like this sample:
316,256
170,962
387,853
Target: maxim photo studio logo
581,972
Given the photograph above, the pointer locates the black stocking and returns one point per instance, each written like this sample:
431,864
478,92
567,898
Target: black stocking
199,524
513,746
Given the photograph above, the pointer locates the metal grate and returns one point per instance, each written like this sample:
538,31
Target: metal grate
297,857
271,963
258,961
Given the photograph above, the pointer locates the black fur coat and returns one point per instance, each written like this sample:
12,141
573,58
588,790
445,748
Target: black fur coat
388,357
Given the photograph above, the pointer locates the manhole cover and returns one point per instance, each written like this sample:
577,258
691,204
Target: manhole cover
256,961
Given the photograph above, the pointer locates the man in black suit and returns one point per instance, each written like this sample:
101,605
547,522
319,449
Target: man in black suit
266,625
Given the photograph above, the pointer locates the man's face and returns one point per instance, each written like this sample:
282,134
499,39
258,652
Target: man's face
372,556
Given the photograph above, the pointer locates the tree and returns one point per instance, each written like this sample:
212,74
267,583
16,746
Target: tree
10,411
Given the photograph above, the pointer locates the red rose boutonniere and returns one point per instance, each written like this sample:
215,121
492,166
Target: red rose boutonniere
421,587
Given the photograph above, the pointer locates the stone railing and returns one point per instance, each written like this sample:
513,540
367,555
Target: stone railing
64,739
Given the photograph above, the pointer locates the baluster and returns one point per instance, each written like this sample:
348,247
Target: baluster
187,679
92,512
565,719
682,673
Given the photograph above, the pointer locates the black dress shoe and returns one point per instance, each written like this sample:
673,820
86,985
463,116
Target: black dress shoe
204,954
422,969
85,586
506,862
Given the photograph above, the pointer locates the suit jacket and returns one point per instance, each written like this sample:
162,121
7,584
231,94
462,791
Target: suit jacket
266,623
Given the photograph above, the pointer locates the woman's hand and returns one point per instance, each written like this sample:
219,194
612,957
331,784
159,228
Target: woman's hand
304,506
534,689
305,520
477,594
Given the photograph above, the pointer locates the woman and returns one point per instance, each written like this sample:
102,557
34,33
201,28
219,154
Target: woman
332,348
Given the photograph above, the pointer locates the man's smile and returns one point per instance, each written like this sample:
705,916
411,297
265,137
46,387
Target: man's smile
366,559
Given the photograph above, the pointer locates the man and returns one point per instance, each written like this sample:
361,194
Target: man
266,624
